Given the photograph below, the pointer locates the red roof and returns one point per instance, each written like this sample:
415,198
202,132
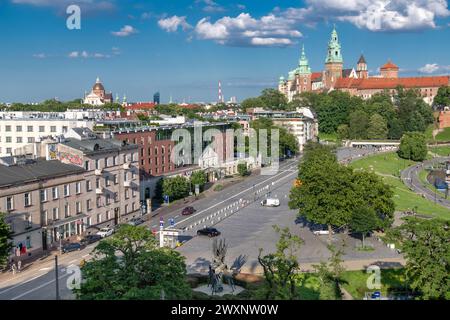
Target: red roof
389,65
315,76
392,83
141,106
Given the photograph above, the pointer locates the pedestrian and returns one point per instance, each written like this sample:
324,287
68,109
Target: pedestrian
13,268
19,265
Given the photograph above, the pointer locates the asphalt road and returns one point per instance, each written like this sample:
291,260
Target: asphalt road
38,282
411,179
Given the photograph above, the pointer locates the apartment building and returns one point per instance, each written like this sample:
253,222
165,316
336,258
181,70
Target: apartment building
111,177
16,132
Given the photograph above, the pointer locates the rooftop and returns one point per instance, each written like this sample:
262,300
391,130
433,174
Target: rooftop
35,171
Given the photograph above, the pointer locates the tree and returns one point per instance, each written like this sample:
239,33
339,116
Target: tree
363,221
251,103
281,268
413,146
242,169
5,240
413,113
426,246
377,127
176,187
442,99
273,99
141,271
358,124
343,132
329,275
198,177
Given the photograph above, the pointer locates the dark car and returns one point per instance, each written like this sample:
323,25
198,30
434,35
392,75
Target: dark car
188,211
210,232
71,247
136,221
91,239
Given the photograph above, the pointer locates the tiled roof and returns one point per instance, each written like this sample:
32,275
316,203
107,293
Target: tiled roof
316,76
389,65
392,83
362,59
141,106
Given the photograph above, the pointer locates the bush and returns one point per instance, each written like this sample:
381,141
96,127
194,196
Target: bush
242,169
218,187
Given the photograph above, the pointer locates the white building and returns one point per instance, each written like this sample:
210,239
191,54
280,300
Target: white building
19,131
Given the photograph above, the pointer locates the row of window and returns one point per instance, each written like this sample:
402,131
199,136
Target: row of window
19,128
109,161
18,140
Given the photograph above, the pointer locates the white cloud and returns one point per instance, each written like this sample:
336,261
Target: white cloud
374,15
211,6
244,30
40,55
241,7
74,54
86,55
125,31
173,23
430,68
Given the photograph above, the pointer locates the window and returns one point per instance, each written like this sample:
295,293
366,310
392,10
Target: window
30,128
66,210
156,151
88,185
97,183
107,181
106,162
133,193
126,209
8,128
98,201
78,188
19,128
55,213
30,139
133,207
127,194
115,159
19,139
66,190
52,128
116,197
99,218
27,199
108,199
8,150
89,221
43,195
41,128
108,215
44,217
55,193
88,204
28,221
86,165
97,164
133,175
8,139
9,203
64,129
78,207
116,179
125,176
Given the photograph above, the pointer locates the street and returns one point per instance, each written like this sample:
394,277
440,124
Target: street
246,230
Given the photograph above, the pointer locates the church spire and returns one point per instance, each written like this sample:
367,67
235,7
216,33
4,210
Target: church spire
303,65
334,48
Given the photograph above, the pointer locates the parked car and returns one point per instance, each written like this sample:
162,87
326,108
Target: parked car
210,232
270,202
91,239
322,232
75,246
105,232
188,211
136,221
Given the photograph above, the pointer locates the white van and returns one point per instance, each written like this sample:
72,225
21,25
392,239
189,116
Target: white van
270,202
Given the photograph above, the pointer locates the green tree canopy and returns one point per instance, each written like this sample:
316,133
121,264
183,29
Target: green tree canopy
358,124
199,177
129,266
363,221
442,98
273,99
377,127
413,146
176,187
426,246
5,240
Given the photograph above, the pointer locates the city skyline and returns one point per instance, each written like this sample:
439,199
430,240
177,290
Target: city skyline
183,49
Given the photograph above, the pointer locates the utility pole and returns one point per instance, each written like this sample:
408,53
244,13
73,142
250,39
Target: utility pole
56,278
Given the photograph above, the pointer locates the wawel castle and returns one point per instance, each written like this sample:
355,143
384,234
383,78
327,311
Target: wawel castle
357,81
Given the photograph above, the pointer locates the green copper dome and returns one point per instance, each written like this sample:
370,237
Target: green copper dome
303,65
334,54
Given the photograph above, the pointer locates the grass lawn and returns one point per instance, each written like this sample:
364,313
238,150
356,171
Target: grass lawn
388,166
444,135
443,151
429,133
328,137
355,282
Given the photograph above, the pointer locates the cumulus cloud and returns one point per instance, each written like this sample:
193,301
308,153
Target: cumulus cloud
125,31
86,55
172,24
244,30
211,6
40,56
375,15
431,68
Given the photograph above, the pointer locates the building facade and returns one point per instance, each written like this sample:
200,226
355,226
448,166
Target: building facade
357,81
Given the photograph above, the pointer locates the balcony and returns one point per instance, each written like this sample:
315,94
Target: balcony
98,172
99,191
126,165
127,184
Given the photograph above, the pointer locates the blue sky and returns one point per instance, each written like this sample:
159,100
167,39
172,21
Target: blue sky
182,48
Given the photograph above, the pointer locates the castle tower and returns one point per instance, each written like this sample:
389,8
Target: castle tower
361,68
334,61
389,70
303,74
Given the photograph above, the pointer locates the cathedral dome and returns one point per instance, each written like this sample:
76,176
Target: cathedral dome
98,86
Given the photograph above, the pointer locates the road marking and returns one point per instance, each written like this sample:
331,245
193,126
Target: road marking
251,188
38,287
44,269
86,255
73,261
21,284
